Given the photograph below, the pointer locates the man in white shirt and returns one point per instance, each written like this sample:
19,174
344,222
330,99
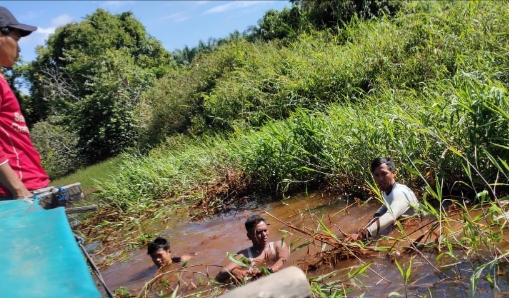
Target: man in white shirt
399,200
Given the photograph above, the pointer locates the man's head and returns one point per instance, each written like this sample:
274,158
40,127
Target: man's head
10,32
384,173
257,231
159,251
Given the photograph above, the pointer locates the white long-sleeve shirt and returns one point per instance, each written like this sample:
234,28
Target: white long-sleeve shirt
401,202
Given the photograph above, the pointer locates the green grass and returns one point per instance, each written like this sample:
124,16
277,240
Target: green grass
90,177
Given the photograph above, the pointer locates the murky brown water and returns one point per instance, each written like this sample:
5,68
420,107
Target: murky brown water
212,238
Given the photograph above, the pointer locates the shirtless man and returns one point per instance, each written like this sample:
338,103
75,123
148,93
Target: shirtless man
400,201
262,253
159,251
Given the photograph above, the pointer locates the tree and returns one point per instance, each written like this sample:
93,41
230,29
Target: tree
91,74
16,78
334,13
284,24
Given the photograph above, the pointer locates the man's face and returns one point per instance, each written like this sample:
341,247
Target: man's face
161,257
9,49
260,234
384,178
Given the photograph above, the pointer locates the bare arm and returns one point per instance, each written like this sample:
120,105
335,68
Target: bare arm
231,269
10,180
282,255
183,258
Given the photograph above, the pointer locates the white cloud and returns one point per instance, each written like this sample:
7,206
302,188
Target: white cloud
177,17
42,33
233,5
62,20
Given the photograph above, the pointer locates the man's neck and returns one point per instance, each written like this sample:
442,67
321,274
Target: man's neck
388,192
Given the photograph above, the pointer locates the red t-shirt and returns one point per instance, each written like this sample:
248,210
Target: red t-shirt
15,144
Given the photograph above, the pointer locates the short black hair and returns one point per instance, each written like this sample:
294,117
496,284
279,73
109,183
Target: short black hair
158,243
382,160
252,221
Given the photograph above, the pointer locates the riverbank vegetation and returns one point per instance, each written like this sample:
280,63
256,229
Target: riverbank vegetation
309,108
427,87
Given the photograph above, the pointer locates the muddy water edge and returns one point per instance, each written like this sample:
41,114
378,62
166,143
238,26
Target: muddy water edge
212,238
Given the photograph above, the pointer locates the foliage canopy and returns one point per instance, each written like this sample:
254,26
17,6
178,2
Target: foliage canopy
91,73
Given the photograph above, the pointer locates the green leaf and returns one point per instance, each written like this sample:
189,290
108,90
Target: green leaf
359,270
174,294
185,263
294,241
241,263
408,271
399,268
302,245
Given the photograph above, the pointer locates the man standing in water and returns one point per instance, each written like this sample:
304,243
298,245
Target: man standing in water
261,253
400,201
20,165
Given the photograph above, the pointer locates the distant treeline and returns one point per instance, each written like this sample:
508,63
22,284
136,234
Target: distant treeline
289,23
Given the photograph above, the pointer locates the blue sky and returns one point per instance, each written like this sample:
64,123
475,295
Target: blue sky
175,23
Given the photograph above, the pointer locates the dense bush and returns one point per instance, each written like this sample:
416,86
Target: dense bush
57,147
91,74
427,87
244,84
430,139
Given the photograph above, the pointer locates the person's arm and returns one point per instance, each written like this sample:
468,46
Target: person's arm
232,269
282,254
381,211
10,180
400,204
183,258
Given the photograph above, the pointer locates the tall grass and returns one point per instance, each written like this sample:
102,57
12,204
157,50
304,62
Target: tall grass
250,84
333,146
427,88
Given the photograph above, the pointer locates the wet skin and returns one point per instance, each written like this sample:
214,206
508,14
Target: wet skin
161,257
261,253
259,236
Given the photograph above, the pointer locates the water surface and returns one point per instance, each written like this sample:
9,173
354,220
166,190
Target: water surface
212,238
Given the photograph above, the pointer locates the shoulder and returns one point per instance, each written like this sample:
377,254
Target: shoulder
280,246
402,188
242,253
279,243
404,192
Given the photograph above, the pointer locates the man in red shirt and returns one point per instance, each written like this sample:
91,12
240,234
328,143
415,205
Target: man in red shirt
20,164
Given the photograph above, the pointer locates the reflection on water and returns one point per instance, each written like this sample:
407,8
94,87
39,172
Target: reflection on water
212,238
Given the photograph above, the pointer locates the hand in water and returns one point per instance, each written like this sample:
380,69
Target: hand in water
352,238
361,235
246,273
